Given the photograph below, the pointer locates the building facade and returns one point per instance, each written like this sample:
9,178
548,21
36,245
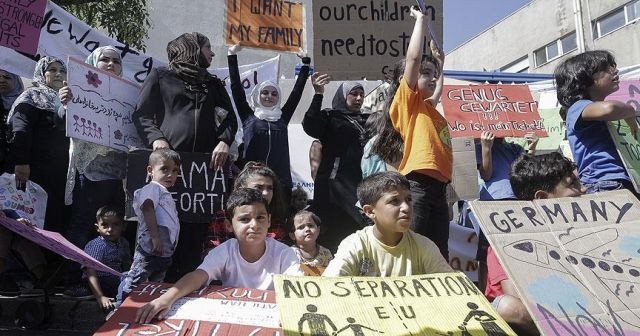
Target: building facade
541,34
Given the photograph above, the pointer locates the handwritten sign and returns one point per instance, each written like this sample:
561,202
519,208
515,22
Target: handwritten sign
267,24
575,261
215,310
101,109
628,92
429,304
356,39
20,22
199,191
505,110
30,203
56,243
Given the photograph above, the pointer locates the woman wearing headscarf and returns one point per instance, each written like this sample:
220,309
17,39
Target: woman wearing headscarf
94,179
10,88
184,107
265,120
39,149
340,130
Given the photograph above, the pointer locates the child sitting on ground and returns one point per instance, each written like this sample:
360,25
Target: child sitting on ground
249,260
304,233
389,247
111,249
532,177
158,225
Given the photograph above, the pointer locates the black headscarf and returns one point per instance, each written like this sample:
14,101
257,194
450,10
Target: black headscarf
186,59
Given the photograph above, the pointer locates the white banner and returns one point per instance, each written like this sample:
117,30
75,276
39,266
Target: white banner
102,107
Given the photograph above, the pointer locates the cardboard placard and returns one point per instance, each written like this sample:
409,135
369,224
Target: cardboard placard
20,23
465,169
351,37
214,310
628,149
575,261
429,304
504,110
56,243
101,108
199,191
266,24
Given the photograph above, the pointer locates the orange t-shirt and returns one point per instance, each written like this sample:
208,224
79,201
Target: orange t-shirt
427,144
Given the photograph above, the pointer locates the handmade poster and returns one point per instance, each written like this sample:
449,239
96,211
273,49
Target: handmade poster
504,110
375,100
464,181
429,304
575,261
463,246
626,144
212,311
30,203
277,25
363,39
56,243
102,107
199,191
20,23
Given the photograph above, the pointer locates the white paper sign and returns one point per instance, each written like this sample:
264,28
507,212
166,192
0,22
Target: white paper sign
102,107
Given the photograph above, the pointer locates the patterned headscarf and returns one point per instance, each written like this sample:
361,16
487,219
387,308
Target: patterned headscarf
339,101
94,57
186,59
40,95
9,97
273,113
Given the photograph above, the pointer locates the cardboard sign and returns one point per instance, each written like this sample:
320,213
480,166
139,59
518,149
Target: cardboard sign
266,24
214,310
505,110
360,39
628,149
56,243
30,203
102,105
20,23
199,191
375,100
429,304
465,169
575,261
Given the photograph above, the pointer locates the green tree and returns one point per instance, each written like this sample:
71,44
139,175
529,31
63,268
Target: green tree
126,21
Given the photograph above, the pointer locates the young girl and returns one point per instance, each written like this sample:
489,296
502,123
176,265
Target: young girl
427,158
583,82
304,233
256,175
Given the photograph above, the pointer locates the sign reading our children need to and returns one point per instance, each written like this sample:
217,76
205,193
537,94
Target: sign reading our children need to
504,110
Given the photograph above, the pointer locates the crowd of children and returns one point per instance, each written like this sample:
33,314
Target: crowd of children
382,205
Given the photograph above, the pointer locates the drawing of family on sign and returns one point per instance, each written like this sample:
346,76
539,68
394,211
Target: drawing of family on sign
317,324
603,262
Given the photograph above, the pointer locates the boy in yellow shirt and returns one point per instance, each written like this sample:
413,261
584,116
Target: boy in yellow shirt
389,247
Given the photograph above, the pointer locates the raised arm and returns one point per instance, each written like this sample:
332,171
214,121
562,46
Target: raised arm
237,90
150,111
414,51
289,108
315,120
439,55
486,167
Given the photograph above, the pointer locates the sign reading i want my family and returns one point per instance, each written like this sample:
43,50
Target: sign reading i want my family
575,261
211,311
266,24
20,22
102,105
504,110
199,191
429,304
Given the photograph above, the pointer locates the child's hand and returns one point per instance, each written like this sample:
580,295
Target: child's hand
416,12
301,53
436,52
156,307
319,80
105,303
633,126
157,245
486,139
234,49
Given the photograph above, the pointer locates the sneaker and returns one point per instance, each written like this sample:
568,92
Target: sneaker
78,292
8,286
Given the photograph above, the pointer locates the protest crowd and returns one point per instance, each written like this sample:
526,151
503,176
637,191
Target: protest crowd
379,206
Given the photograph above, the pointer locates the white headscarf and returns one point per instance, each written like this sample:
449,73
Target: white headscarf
273,113
94,57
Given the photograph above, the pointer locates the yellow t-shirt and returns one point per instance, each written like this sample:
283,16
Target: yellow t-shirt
427,144
362,254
